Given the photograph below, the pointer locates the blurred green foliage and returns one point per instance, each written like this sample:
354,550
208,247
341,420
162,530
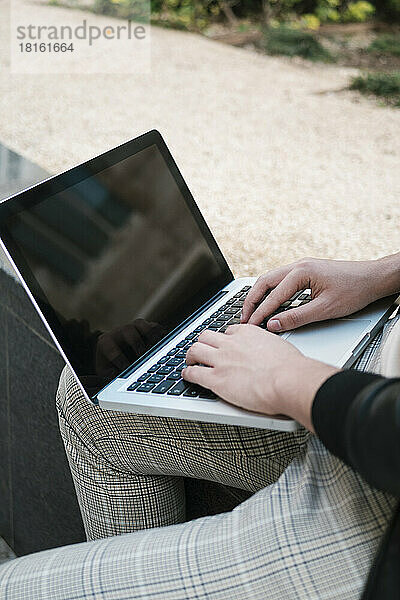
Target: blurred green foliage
338,11
185,14
199,14
358,11
294,42
137,10
383,85
386,44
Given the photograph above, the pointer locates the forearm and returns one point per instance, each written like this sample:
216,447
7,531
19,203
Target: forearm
295,392
385,276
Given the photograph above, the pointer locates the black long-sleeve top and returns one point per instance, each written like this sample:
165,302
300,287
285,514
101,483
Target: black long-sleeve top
357,417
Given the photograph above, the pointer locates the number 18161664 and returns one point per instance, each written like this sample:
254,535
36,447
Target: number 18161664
46,47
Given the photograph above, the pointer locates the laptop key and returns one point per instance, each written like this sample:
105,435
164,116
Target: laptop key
174,362
238,305
163,387
295,303
133,386
192,391
190,336
294,296
207,321
205,394
156,378
179,388
172,352
153,369
234,322
165,370
162,360
175,376
143,377
146,387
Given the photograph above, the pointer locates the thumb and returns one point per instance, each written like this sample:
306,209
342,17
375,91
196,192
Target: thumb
296,317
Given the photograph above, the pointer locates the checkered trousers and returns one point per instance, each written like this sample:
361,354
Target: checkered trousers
311,534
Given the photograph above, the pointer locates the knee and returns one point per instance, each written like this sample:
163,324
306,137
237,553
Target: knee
71,404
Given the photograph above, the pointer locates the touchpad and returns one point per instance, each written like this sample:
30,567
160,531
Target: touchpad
328,341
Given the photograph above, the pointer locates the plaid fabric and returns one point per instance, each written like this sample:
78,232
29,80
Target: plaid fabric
311,534
128,469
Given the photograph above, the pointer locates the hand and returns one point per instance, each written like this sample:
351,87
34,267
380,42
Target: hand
338,288
256,370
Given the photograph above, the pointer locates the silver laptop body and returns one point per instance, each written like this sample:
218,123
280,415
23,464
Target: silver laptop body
112,253
338,342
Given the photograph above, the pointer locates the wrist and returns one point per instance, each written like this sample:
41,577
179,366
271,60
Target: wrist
297,388
386,275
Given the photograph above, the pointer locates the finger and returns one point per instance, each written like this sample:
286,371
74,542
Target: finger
201,375
259,289
293,282
201,354
232,329
212,338
296,317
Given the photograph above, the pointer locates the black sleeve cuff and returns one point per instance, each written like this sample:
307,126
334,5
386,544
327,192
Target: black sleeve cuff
331,405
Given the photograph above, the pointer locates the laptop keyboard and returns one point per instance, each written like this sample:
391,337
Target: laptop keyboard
164,377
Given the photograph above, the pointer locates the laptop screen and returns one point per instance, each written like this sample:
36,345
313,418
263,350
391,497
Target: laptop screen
116,254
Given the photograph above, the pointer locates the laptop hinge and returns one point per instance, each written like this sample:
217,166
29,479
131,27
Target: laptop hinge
125,374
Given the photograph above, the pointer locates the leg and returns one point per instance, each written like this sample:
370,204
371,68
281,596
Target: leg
113,500
312,535
128,469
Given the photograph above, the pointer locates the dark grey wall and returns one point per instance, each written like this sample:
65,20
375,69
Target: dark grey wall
38,508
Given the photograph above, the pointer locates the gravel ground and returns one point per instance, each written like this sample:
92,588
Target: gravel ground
282,163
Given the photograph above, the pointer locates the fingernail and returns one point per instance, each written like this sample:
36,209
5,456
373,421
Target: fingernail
274,325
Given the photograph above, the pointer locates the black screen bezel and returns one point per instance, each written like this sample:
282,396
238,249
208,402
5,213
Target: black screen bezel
32,196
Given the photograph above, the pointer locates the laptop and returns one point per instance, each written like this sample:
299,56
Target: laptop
125,273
